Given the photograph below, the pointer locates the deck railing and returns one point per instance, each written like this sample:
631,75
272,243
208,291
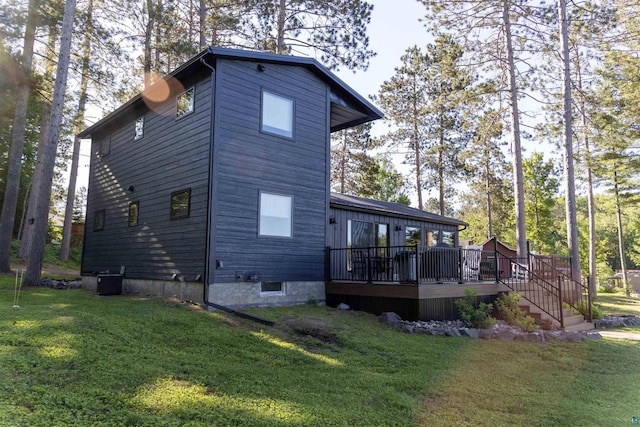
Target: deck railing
411,264
545,281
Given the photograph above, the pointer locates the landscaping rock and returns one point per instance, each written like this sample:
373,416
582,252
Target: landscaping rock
505,335
471,333
501,331
619,321
390,318
61,283
343,306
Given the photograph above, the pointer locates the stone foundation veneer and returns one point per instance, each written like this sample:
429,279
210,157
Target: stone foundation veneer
242,294
189,291
235,294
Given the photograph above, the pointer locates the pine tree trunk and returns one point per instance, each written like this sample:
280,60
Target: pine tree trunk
281,23
521,235
45,106
569,177
36,254
623,262
25,239
416,146
203,25
79,120
343,162
147,43
10,201
488,189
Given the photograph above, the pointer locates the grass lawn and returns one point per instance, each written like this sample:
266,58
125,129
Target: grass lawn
74,358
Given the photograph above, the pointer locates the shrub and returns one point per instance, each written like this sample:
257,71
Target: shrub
607,288
582,307
472,314
507,308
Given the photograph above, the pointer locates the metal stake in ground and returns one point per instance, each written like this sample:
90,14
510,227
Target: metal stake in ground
16,291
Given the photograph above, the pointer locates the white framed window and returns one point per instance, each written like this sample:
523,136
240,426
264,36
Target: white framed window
184,103
139,130
272,288
277,114
276,215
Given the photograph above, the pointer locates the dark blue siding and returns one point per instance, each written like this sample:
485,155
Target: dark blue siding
172,155
247,161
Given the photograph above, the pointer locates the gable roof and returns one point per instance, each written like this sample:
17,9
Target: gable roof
355,203
348,108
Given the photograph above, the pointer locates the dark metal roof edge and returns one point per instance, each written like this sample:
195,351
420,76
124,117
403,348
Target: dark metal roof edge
324,72
419,215
373,112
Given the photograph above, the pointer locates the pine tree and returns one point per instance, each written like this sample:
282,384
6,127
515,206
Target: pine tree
12,184
333,31
36,254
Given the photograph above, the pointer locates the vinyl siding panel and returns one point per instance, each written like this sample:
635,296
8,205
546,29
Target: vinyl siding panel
172,155
247,161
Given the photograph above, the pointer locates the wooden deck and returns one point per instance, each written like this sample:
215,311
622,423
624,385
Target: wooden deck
412,302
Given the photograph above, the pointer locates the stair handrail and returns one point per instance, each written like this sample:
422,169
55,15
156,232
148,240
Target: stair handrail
540,285
584,289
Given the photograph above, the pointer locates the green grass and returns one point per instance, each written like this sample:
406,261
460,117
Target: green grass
618,303
73,358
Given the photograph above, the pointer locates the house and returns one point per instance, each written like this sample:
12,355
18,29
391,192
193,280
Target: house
214,183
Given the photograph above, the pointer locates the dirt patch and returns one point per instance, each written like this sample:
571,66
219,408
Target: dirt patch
314,328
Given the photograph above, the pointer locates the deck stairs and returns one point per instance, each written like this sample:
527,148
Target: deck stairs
548,295
572,322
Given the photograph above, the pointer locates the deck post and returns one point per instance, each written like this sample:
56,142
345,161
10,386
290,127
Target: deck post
495,254
460,265
589,298
327,264
417,265
369,266
560,302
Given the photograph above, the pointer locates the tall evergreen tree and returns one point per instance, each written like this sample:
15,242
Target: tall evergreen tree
541,189
494,31
333,31
403,98
12,184
36,254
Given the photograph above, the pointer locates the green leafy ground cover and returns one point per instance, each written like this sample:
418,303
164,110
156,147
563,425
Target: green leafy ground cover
73,358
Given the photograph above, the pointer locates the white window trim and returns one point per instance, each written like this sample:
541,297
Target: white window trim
278,132
193,103
282,292
291,218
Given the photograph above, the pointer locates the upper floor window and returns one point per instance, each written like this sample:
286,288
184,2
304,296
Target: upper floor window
185,103
181,204
139,130
276,215
134,208
277,114
98,220
105,146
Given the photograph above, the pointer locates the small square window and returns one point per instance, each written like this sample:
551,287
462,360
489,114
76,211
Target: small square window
276,213
277,114
185,103
139,130
271,287
134,208
98,220
180,204
105,146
